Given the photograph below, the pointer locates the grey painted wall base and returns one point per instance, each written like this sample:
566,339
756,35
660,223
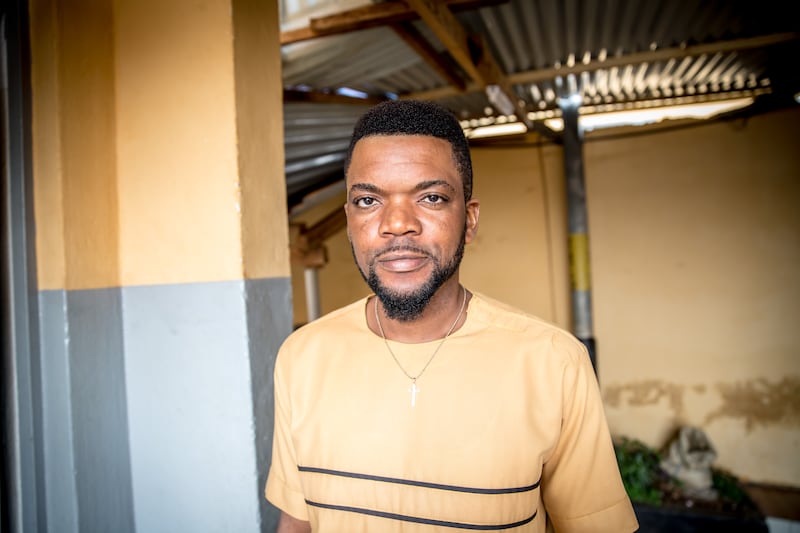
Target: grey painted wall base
158,405
269,322
99,418
61,491
85,430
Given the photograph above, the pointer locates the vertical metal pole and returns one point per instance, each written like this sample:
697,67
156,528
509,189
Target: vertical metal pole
312,293
580,273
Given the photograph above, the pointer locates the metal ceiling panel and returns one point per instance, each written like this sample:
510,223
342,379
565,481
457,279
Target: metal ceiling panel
316,137
548,49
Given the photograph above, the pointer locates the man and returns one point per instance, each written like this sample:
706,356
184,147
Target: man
427,407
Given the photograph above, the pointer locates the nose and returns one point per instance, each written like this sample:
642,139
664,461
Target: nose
399,218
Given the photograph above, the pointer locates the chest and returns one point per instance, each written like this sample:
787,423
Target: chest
471,418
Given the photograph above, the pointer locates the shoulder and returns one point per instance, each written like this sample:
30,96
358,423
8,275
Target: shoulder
523,327
347,319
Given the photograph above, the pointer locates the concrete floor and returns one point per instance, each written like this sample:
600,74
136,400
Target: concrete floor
782,525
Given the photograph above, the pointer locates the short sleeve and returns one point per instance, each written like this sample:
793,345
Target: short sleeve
581,484
283,488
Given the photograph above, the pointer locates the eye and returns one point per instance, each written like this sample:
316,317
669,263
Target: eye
364,201
434,199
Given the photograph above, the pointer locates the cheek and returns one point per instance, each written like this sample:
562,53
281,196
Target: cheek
455,228
445,237
358,243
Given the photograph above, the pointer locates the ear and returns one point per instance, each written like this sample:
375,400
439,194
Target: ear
473,214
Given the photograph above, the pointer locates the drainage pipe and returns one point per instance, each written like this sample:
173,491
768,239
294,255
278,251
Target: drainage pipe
580,274
311,277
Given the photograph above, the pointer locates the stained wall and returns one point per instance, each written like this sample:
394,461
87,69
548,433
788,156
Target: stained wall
695,246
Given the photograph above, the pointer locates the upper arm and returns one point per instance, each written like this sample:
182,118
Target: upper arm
284,488
290,524
581,485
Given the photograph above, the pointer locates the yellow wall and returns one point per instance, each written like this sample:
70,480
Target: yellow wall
73,144
695,246
158,142
46,140
520,254
339,281
694,252
178,179
259,122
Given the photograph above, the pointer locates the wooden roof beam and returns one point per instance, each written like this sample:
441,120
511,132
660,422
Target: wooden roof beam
324,97
451,34
472,55
424,49
308,244
663,54
371,16
330,225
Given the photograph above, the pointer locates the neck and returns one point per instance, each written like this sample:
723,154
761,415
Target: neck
433,323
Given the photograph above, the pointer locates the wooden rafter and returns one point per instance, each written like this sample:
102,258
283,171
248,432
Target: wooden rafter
451,33
414,39
308,243
470,53
362,18
330,225
294,95
664,54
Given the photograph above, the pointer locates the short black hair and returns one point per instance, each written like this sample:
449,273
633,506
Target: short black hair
416,117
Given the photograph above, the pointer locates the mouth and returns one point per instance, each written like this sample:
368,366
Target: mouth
401,261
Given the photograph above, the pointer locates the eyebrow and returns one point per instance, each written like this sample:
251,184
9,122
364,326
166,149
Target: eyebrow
434,183
369,187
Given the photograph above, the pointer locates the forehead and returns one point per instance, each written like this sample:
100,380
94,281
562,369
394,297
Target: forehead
404,153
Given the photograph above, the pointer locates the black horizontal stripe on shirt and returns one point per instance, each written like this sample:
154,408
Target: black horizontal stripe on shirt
413,483
427,521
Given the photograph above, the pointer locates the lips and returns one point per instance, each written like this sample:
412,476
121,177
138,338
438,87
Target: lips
399,262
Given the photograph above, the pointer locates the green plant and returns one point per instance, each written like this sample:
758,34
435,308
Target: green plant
731,492
645,482
639,467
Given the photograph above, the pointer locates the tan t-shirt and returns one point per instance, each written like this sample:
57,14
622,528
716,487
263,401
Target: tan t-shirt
507,432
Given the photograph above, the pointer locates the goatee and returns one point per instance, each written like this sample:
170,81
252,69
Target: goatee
408,306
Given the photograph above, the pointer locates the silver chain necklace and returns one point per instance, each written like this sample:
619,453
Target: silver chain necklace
414,389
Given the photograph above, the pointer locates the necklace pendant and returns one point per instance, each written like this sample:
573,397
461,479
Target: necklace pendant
414,390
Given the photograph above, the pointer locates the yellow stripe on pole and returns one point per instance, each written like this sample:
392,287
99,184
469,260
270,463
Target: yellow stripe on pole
579,261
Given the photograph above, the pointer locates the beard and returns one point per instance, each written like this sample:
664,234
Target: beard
408,306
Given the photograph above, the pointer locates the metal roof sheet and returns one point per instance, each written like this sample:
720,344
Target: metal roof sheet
608,51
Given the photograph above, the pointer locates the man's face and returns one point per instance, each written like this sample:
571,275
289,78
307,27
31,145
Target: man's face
406,219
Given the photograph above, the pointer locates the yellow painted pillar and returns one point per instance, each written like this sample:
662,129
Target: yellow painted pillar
162,258
74,148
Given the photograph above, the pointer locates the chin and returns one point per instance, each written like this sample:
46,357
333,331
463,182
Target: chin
400,284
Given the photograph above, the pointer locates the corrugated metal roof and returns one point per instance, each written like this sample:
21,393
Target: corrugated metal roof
316,137
608,51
